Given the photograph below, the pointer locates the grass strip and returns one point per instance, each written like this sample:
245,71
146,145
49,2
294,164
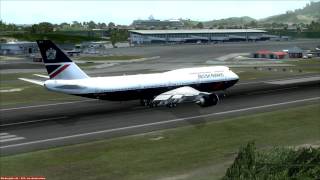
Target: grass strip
56,37
191,152
106,58
29,94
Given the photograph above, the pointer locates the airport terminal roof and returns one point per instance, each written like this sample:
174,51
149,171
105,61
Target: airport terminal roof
197,31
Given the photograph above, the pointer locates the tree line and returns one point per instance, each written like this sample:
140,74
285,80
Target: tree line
47,27
110,30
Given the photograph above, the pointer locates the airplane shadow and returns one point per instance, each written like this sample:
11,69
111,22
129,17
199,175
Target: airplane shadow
189,111
72,114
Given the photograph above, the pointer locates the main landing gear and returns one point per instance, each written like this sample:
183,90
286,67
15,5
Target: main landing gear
147,103
151,103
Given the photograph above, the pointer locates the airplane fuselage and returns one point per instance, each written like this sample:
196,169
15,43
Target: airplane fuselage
146,86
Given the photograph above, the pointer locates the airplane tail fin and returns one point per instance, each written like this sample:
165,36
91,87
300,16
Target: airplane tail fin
58,64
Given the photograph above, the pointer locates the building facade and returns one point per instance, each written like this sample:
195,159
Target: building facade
18,48
295,52
140,37
269,54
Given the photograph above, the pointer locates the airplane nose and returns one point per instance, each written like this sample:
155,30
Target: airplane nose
235,76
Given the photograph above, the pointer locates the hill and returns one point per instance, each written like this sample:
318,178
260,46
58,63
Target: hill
305,15
230,21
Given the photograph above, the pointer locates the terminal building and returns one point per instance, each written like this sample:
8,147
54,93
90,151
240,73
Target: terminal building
141,37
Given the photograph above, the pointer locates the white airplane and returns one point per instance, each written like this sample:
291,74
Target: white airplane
159,89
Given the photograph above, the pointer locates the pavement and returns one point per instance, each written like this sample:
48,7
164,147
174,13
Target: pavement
170,56
43,126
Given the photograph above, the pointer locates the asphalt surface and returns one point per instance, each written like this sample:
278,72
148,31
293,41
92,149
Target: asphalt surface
171,56
44,126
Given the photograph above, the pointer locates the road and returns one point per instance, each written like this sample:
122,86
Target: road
44,126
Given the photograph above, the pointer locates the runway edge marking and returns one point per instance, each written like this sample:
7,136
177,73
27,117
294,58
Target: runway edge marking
6,137
44,105
39,120
156,123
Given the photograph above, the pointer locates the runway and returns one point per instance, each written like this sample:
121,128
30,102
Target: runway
44,126
41,126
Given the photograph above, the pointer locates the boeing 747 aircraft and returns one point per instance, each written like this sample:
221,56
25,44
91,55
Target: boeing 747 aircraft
159,89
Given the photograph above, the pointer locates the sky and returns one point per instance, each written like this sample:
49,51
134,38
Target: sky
124,12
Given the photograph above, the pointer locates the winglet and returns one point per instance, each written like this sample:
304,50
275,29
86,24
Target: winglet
41,83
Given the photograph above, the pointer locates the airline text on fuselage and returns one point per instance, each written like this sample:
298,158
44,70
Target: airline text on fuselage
209,75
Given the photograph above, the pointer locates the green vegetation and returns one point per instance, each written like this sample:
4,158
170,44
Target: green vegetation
305,15
76,32
9,58
304,62
296,34
232,22
43,27
305,22
118,35
46,27
300,66
252,73
56,37
202,151
189,23
236,21
276,163
14,76
306,65
88,65
107,58
300,23
30,93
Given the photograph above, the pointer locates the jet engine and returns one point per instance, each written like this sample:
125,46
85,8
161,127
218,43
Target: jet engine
208,100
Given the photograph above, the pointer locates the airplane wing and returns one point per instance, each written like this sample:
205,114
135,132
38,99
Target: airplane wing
41,83
180,95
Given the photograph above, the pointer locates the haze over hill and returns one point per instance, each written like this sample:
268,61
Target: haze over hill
309,13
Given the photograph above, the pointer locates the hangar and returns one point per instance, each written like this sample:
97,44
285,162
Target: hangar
138,37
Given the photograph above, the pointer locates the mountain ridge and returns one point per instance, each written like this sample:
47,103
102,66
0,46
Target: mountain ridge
305,15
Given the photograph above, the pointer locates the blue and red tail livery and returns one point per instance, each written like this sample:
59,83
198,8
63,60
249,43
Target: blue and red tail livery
51,53
58,64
